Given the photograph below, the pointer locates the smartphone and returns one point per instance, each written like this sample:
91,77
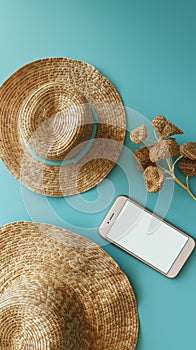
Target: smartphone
146,236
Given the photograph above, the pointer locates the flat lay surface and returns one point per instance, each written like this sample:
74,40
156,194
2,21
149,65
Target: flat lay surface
147,50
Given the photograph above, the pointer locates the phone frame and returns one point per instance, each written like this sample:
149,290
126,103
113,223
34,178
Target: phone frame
112,215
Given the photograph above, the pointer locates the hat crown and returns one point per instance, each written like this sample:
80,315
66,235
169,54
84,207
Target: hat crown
55,122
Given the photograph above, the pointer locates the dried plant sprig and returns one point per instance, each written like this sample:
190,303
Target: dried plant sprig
165,148
139,134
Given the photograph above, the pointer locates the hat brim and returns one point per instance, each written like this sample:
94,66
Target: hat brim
59,290
72,178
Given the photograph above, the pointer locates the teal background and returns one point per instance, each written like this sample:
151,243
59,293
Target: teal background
147,49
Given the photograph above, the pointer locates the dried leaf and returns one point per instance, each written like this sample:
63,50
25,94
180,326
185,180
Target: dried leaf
164,149
170,129
188,150
141,156
153,178
139,134
159,123
187,166
164,127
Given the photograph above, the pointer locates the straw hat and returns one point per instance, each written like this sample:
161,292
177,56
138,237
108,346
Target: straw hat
55,110
58,291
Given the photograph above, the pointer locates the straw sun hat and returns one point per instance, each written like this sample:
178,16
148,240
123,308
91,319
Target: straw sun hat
58,291
55,110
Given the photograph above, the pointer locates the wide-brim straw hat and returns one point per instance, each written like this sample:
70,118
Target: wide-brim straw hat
62,126
59,290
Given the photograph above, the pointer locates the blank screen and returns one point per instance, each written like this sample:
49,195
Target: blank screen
147,237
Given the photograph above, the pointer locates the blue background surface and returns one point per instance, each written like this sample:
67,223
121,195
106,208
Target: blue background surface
147,49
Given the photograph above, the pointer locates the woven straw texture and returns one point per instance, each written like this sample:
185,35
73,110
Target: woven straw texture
60,291
188,150
47,109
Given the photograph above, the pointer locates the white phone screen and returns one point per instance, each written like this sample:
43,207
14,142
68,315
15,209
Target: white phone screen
147,237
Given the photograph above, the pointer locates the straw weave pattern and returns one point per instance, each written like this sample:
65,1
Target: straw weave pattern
54,120
59,291
57,87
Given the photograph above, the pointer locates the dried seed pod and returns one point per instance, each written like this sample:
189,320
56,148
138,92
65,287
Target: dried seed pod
187,166
164,149
188,150
153,178
141,156
164,127
158,123
170,129
139,134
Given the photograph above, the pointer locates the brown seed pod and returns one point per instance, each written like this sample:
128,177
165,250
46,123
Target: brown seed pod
187,166
153,178
164,149
141,156
188,150
170,129
139,134
158,123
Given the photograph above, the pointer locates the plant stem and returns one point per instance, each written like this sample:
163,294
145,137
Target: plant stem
173,165
156,137
183,186
149,140
165,170
173,177
187,181
169,164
